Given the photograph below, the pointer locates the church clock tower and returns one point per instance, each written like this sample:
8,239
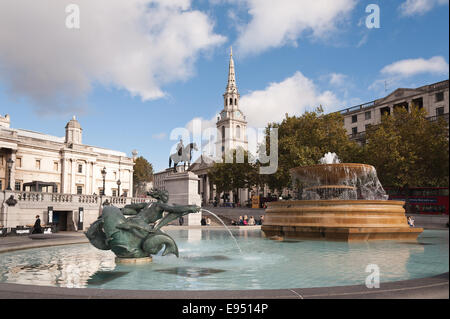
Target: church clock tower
231,123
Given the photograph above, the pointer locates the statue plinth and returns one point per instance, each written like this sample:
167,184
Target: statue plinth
183,190
143,260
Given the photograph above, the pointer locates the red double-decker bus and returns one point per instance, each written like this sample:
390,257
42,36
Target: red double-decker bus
422,200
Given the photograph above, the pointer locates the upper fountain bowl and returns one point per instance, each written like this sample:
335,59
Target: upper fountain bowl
331,174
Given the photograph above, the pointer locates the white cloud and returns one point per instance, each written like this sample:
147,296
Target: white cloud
294,96
419,7
135,45
411,67
337,79
277,23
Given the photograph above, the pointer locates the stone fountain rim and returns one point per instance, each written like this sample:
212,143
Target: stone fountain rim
337,202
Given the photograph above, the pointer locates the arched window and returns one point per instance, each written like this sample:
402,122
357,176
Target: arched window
235,101
223,132
231,101
238,131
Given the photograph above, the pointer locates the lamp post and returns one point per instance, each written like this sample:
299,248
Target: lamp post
10,163
104,176
118,188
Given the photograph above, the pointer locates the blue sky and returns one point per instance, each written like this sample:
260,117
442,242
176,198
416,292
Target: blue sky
137,69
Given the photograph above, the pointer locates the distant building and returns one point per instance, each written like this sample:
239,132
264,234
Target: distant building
231,123
46,163
433,98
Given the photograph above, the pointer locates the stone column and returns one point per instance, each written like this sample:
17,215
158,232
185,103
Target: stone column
207,189
86,182
93,184
13,170
73,178
62,187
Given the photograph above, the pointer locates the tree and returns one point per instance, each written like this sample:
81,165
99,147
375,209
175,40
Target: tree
231,174
143,173
304,140
409,150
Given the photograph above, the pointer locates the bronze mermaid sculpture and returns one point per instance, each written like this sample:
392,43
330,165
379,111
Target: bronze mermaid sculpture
140,234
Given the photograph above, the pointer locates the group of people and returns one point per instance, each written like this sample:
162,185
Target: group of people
248,221
205,221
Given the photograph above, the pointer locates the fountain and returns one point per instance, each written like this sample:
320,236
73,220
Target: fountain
340,201
135,238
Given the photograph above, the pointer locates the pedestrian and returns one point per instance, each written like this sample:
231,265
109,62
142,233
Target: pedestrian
181,220
203,221
245,220
241,221
251,221
37,229
208,221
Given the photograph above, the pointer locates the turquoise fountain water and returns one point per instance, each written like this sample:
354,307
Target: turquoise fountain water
209,260
226,227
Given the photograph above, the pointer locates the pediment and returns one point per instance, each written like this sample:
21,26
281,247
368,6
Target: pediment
400,93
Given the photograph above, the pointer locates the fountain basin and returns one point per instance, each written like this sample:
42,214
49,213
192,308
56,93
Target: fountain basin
345,220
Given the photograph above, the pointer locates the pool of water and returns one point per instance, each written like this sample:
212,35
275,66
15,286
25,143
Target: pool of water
210,260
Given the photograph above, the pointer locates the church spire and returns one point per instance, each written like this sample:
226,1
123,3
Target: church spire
231,95
231,85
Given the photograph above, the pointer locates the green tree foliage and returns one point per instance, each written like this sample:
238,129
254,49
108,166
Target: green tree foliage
305,139
143,172
409,150
232,174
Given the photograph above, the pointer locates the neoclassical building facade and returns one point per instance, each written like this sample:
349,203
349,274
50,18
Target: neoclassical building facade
46,163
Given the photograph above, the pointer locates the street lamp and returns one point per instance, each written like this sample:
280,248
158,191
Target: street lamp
118,188
10,163
104,176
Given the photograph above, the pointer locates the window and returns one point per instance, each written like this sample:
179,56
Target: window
440,111
18,162
79,190
17,185
55,166
223,132
80,168
38,164
368,115
238,131
354,130
231,101
439,96
354,118
367,127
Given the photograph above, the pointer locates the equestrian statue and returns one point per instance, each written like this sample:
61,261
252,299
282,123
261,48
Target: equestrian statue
183,154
